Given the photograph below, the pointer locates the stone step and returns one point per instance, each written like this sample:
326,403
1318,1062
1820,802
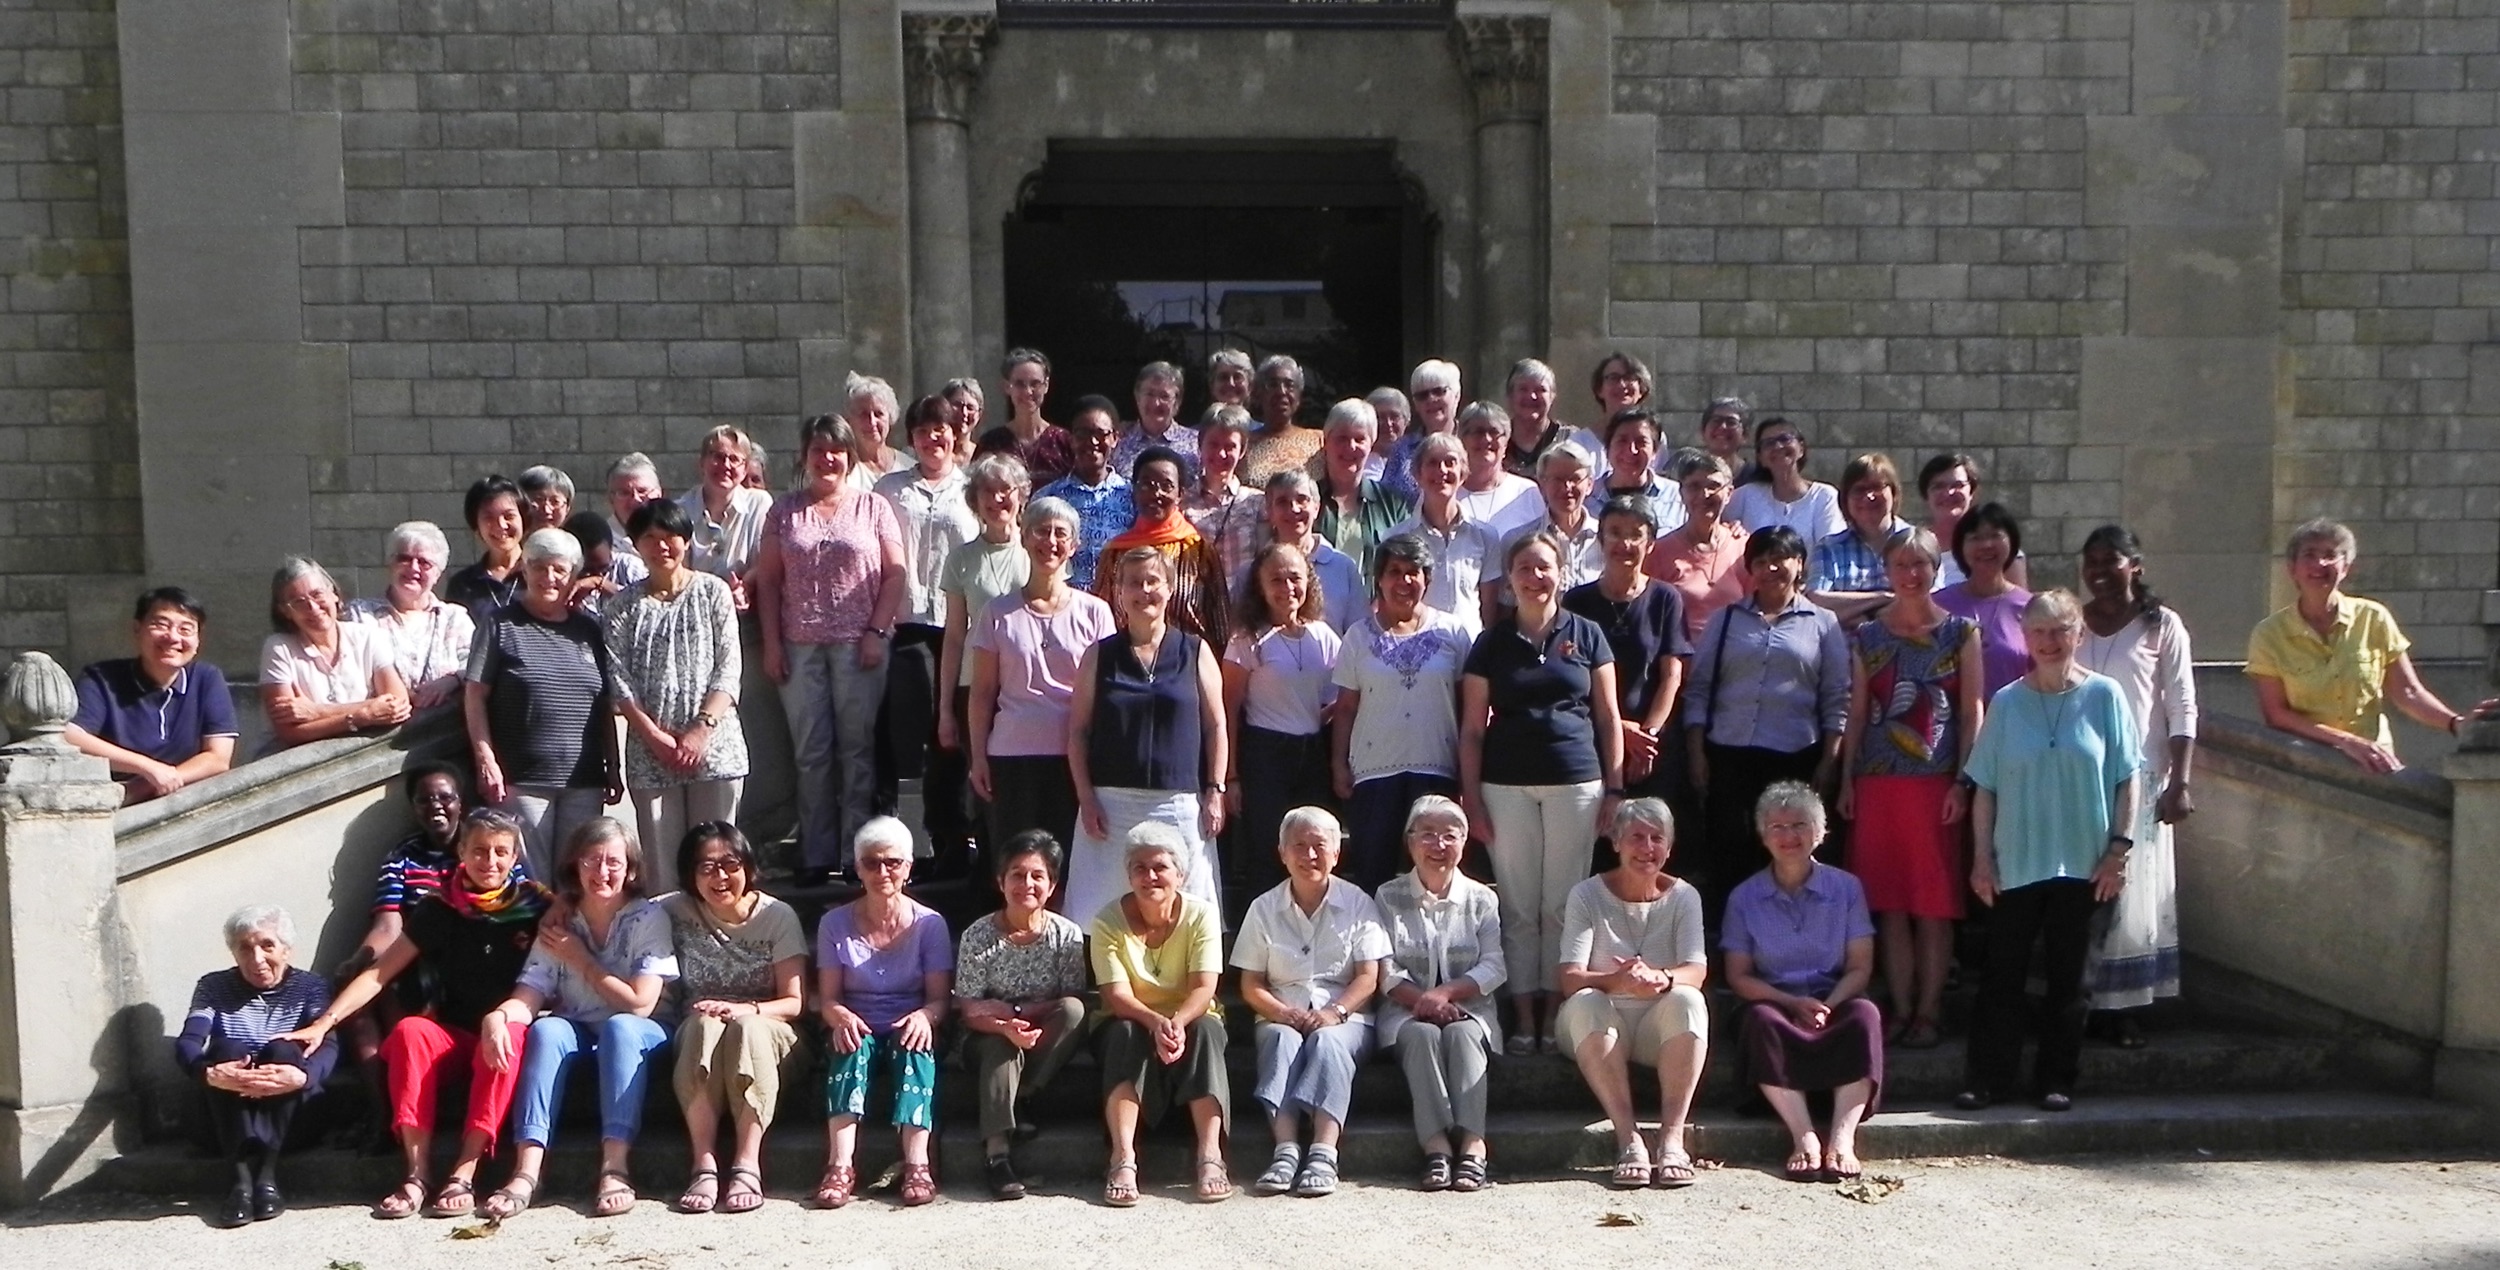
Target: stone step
1381,1150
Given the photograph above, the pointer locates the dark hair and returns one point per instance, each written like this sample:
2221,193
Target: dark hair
1628,416
1018,357
1943,463
492,820
1406,548
1251,615
690,852
2122,542
929,409
1034,842
663,514
1633,366
1095,403
418,773
832,429
1778,542
1762,471
488,488
1636,506
1984,516
169,597
590,529
1157,454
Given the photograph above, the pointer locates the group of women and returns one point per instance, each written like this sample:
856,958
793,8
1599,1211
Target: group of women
1267,682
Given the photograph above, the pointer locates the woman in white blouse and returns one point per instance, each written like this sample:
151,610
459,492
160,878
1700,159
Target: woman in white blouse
2135,639
1634,963
1436,1008
1278,687
320,676
1780,493
428,636
1309,953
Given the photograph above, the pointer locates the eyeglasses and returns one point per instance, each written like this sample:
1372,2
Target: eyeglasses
719,868
884,863
305,603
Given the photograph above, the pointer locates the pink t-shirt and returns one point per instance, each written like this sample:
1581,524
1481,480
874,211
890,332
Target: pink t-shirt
1037,660
1709,575
830,562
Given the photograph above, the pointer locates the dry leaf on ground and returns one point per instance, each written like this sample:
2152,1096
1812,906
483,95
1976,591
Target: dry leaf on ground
1617,1217
1873,1188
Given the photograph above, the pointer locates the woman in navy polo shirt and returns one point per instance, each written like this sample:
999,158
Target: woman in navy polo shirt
1540,763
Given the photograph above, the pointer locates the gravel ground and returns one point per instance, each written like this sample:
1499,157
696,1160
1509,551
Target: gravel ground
2111,1213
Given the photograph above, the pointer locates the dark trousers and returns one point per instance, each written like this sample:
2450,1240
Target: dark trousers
1032,791
907,745
1127,1054
1731,850
255,1126
1279,772
1375,849
2058,915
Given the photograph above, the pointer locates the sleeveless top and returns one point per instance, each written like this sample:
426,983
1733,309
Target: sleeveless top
1145,732
1913,700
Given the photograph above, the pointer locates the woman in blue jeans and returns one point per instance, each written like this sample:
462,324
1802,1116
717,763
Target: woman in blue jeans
603,955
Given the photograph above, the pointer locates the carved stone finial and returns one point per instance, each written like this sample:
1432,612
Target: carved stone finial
36,701
1503,57
942,55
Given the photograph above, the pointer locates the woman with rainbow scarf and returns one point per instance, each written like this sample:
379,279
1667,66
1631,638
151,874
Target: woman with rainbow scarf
1199,603
472,936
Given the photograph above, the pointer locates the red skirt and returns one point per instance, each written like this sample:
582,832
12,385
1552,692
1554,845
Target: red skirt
1905,855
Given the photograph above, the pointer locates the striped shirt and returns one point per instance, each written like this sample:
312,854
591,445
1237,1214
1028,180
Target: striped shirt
226,1007
547,697
415,869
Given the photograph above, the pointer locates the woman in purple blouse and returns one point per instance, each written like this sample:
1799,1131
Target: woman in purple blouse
884,975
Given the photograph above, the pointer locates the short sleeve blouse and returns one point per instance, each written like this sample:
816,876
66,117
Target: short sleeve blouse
831,560
1292,677
1158,977
988,966
1407,720
881,985
285,660
1542,731
1037,661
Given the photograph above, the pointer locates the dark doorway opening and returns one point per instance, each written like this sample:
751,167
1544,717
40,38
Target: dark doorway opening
1118,255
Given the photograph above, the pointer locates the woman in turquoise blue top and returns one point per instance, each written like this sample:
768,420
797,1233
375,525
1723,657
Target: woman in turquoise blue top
2055,769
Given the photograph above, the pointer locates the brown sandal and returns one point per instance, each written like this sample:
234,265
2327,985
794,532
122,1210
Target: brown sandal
745,1192
833,1190
410,1199
919,1185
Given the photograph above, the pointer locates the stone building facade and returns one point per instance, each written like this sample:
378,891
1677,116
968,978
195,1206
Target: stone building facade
2205,266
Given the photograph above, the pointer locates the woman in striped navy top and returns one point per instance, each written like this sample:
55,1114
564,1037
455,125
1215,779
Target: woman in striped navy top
254,1080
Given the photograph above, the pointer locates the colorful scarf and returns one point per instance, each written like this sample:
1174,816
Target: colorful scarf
519,899
1170,533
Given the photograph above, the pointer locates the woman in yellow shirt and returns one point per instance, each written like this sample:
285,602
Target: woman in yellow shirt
2327,666
1157,952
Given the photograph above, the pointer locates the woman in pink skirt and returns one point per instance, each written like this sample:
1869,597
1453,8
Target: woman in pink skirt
1913,715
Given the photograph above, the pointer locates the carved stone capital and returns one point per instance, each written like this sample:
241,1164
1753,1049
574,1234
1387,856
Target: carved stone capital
1503,57
36,701
942,55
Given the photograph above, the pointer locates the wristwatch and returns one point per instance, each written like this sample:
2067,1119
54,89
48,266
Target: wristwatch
705,718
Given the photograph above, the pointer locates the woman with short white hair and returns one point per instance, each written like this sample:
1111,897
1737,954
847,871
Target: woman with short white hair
1436,1008
1529,392
1356,511
428,635
319,676
870,406
1157,953
1431,402
254,1081
885,972
540,715
546,497
1309,953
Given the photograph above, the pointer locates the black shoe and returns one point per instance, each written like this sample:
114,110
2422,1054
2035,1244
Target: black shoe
1004,1184
1025,1131
2055,1101
267,1202
237,1210
1974,1100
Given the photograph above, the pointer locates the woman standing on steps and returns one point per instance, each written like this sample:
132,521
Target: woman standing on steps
2057,767
2140,643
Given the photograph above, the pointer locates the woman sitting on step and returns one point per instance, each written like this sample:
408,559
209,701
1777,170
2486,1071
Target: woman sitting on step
740,957
1800,952
255,1079
884,972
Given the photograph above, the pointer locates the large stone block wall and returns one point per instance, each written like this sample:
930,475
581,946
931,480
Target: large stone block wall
69,498
2389,288
1871,218
570,233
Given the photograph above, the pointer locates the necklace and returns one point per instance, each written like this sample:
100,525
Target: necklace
2056,723
1292,641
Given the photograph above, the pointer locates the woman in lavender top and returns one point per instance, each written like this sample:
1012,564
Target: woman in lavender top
884,970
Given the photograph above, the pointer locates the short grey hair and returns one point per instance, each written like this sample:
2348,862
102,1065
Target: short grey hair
292,570
1350,413
1223,417
1643,811
1292,478
1044,511
1564,452
636,463
1319,818
856,386
1152,837
2322,529
1794,796
552,544
254,918
1916,538
966,385
1435,445
1227,359
2056,605
1483,416
421,536
1433,373
883,831
539,478
1165,372
998,470
1385,397
1692,461
1434,808
1529,368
